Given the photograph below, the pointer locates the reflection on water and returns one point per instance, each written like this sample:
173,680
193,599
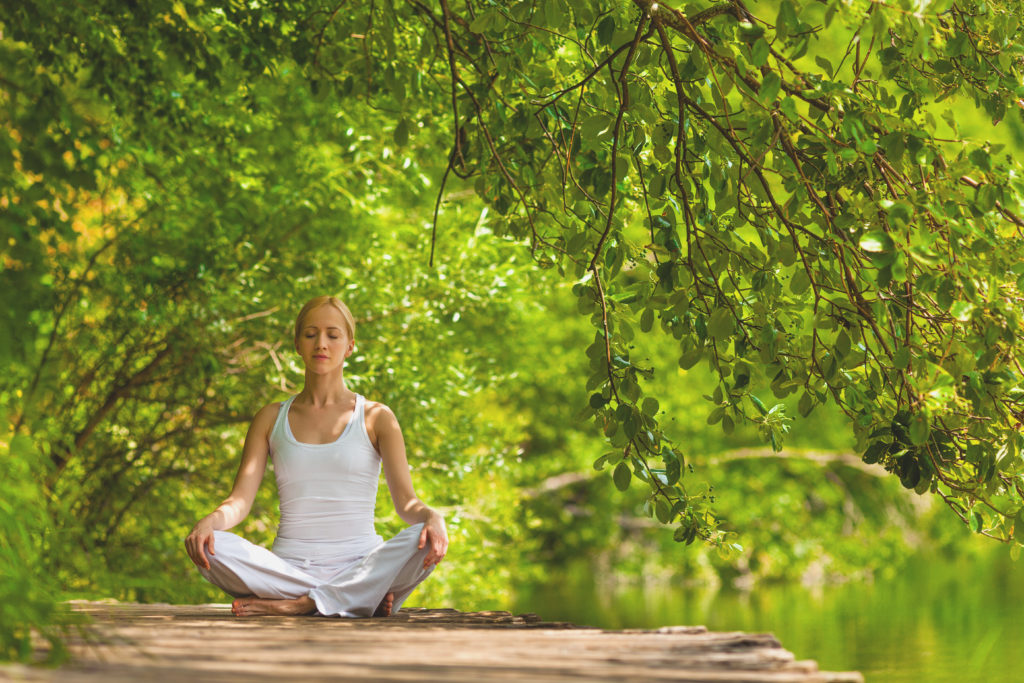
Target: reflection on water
938,620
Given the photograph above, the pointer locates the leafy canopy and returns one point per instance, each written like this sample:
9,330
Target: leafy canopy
770,185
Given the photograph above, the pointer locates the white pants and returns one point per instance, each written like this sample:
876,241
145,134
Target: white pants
352,588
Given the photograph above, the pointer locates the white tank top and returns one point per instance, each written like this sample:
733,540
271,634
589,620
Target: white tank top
327,491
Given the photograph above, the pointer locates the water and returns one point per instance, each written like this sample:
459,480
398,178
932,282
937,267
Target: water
937,620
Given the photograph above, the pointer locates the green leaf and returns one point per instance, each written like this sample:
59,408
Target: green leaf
961,310
842,346
806,404
721,324
769,88
788,107
606,30
553,14
893,145
663,511
800,282
673,470
981,159
650,406
601,461
910,471
758,404
830,13
647,320
957,46
919,429
759,52
728,425
630,425
974,521
621,476
875,452
401,135
824,64
1018,527
482,22
786,22
690,358
877,242
878,23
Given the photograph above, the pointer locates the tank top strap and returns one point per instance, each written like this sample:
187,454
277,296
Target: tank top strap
282,415
358,417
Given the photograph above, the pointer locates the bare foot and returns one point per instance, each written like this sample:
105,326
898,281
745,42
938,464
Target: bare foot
384,608
249,607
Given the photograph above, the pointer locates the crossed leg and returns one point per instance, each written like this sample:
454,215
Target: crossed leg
266,584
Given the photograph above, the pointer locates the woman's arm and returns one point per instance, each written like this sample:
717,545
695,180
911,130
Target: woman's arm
237,505
386,435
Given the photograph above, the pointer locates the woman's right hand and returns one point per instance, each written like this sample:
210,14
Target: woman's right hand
200,538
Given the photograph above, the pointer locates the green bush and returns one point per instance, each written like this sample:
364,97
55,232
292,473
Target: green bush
29,601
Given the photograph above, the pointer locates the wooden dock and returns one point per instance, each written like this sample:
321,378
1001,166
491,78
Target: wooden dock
195,643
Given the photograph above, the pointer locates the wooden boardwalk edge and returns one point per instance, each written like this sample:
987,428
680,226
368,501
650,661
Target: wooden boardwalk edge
131,642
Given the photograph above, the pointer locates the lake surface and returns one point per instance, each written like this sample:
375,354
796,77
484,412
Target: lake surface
938,619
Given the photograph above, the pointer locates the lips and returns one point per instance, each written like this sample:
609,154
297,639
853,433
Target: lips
320,357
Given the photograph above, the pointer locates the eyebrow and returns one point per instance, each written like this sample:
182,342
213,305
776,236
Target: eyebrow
314,327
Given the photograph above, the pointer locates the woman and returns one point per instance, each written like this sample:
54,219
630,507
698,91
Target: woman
328,445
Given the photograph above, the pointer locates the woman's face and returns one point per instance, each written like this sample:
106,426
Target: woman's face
324,343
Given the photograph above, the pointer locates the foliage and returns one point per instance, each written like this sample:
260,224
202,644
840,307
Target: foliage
773,206
812,512
784,209
27,606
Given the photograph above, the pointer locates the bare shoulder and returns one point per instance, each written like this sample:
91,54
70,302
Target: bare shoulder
378,414
380,419
263,421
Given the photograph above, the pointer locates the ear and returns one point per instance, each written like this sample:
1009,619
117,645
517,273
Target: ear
351,348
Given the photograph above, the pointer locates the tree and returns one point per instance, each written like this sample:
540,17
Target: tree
772,188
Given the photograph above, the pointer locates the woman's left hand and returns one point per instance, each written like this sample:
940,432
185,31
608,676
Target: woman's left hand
434,534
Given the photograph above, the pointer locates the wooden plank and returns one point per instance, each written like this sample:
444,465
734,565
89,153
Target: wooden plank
192,643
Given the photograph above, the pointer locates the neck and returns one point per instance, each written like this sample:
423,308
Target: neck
324,389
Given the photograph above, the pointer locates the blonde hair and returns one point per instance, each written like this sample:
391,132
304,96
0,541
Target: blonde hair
317,302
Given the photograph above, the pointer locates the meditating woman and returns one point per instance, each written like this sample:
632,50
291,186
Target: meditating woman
328,444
